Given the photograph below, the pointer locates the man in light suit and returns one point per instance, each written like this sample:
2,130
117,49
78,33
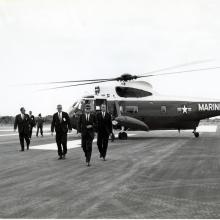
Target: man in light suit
104,129
22,121
86,126
61,123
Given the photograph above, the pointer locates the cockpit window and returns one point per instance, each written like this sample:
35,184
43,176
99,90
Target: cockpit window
80,105
74,104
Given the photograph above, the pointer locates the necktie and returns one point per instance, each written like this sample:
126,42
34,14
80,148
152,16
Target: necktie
60,116
103,114
87,117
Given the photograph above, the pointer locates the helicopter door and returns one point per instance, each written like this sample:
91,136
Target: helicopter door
98,103
87,101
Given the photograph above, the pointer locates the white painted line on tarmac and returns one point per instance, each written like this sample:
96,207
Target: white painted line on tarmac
6,135
34,130
70,144
6,129
53,146
201,128
207,128
14,134
204,128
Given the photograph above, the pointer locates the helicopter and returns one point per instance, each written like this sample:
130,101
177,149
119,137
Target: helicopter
135,106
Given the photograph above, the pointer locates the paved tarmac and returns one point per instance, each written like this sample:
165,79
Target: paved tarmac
160,174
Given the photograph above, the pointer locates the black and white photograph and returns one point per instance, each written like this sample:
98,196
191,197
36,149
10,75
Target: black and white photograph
110,109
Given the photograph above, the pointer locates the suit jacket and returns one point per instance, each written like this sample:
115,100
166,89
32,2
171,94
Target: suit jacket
32,121
22,124
104,125
82,123
40,121
63,126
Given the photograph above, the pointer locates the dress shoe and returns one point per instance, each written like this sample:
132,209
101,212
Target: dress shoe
104,159
88,164
100,156
60,158
64,156
21,150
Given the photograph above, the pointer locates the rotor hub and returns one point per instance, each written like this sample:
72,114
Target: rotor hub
126,77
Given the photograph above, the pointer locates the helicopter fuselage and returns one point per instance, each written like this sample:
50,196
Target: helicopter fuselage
160,115
155,112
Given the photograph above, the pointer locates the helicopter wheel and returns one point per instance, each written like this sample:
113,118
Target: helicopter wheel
112,137
123,135
196,134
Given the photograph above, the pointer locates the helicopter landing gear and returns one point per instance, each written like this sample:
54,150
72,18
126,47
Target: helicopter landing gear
196,134
112,137
122,135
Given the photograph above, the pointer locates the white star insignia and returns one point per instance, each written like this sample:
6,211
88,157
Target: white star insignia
184,109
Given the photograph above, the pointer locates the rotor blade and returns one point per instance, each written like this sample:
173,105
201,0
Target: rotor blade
177,66
183,71
71,81
112,79
80,84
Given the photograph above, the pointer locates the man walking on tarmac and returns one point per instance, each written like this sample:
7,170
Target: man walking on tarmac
40,122
104,129
22,121
61,123
86,126
32,123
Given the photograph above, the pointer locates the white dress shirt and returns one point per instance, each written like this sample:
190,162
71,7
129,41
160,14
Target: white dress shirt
87,116
103,114
60,115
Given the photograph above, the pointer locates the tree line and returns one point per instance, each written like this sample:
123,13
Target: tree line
9,120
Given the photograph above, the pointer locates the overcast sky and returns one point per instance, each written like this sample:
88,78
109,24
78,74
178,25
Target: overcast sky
56,40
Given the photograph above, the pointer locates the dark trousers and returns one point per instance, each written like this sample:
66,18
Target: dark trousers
41,130
22,137
61,139
87,146
102,143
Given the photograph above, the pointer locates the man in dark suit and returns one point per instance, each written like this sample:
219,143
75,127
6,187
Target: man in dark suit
40,122
22,121
104,129
86,126
61,123
32,123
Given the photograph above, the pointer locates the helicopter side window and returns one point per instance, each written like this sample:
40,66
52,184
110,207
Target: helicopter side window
131,109
98,103
97,108
163,109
